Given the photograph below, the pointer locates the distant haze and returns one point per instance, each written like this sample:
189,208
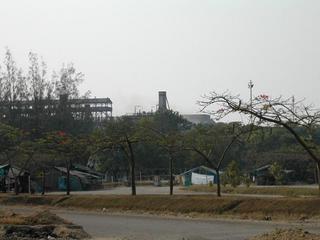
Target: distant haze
131,49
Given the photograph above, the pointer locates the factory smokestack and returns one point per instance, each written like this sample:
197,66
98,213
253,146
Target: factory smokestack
162,100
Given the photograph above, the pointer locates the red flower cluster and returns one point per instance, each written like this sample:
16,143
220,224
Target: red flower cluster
61,134
63,142
264,97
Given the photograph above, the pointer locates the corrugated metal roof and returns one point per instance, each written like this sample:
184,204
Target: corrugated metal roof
77,173
4,166
200,167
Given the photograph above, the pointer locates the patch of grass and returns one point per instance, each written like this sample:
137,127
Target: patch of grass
152,203
36,200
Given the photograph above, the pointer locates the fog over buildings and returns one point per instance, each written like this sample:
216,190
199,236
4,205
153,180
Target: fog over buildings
130,50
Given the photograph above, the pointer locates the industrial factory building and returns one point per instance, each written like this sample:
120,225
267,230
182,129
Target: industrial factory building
198,118
193,118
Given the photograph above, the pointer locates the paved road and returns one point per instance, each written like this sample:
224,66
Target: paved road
148,228
135,227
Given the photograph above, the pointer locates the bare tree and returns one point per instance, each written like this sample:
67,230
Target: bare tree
37,77
67,81
10,78
286,112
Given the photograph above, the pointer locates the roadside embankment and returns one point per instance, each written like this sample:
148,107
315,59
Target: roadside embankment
258,190
285,234
193,205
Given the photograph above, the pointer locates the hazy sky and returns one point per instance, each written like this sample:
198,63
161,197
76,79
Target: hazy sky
129,50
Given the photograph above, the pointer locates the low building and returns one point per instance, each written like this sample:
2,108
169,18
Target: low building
201,175
263,176
10,174
81,179
198,118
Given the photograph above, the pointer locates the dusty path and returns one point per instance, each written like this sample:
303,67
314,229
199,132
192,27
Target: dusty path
134,227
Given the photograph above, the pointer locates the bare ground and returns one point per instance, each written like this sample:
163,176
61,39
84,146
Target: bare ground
287,234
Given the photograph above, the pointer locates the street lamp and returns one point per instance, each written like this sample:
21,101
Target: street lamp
250,86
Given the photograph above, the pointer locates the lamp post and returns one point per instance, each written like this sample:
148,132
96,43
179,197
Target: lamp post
250,86
293,108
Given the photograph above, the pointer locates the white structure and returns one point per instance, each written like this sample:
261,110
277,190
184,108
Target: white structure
198,179
198,118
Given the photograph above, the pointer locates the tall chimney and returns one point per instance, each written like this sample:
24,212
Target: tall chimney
162,100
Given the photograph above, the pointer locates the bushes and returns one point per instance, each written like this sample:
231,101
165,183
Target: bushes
232,175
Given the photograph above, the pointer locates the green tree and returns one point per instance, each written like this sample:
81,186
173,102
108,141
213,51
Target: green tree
213,142
277,172
120,134
67,147
166,129
232,174
17,149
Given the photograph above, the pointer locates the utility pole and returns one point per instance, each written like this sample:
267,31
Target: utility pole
293,108
250,86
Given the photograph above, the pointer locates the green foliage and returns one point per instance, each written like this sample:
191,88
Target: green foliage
246,180
10,138
277,172
209,142
210,184
224,179
232,174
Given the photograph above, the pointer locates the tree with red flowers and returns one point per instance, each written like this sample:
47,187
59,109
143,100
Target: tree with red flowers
299,119
67,147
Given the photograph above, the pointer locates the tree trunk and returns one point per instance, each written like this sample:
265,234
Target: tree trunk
16,185
318,175
218,183
171,174
68,178
133,179
132,166
43,182
4,189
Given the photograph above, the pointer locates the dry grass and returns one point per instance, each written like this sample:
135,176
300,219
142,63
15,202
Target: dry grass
44,218
239,207
153,203
39,218
11,218
40,225
275,190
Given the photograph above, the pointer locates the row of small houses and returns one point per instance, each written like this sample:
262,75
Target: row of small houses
205,175
83,178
